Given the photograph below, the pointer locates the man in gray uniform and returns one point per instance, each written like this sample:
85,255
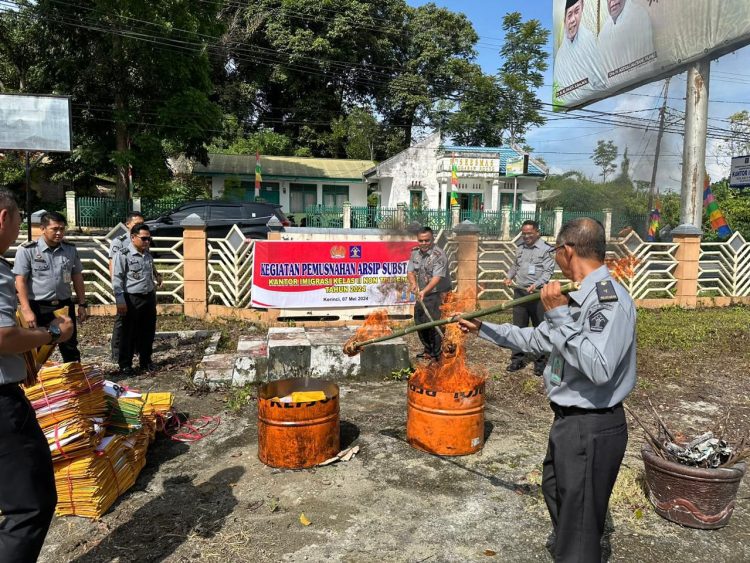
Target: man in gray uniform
134,283
427,273
590,336
117,244
532,268
27,482
44,269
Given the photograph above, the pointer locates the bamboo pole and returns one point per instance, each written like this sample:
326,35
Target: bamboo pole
354,347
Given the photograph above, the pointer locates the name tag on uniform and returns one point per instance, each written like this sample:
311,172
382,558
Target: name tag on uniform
532,269
556,370
66,276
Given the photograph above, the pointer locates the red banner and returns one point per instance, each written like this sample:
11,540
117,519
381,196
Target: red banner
305,275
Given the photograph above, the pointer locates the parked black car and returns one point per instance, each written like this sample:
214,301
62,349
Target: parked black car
252,218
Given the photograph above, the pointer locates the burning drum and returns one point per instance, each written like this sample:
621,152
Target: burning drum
445,423
298,422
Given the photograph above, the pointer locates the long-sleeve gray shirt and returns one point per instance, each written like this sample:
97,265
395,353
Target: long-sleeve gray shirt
533,265
591,343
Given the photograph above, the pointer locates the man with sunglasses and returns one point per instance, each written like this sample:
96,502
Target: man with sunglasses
590,336
44,269
134,280
532,268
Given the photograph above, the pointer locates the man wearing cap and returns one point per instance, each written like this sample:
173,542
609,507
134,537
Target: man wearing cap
44,269
134,281
27,481
117,244
577,67
590,336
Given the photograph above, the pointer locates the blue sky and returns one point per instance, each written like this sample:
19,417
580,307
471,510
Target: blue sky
560,142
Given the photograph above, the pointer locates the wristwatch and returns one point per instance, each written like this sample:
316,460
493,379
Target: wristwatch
54,332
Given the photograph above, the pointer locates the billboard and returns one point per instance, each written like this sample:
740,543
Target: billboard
311,275
517,166
605,47
740,176
35,123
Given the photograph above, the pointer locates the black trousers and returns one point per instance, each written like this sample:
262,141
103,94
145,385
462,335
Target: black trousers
584,454
522,314
45,314
117,338
138,329
431,339
27,482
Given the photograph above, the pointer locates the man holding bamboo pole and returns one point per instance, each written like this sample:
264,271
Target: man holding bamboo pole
27,483
590,336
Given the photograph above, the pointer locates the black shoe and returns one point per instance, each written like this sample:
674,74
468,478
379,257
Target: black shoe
150,367
539,369
126,372
424,355
515,366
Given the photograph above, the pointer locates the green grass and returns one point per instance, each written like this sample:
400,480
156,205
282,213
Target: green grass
679,329
240,397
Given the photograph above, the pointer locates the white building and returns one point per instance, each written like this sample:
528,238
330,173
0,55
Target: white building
421,177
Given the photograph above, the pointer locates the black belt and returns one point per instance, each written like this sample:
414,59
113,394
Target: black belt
141,294
53,303
569,411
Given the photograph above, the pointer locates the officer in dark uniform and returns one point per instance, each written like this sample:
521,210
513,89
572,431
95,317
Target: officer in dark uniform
134,283
27,482
428,277
117,244
590,336
44,269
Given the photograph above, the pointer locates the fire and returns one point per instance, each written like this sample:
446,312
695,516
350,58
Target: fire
622,269
375,326
450,374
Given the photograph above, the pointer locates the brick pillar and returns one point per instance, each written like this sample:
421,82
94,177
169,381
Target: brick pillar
195,266
36,222
467,234
608,224
137,203
455,214
687,255
70,208
400,216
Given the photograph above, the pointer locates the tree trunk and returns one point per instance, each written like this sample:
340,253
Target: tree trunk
121,145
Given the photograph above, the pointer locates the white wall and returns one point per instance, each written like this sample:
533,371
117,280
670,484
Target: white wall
217,187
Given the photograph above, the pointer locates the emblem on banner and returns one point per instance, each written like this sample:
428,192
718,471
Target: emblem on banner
338,252
355,251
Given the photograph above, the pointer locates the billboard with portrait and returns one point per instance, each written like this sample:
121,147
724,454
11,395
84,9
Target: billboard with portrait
605,47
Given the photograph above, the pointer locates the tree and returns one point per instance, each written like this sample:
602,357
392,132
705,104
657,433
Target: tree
604,157
138,76
739,143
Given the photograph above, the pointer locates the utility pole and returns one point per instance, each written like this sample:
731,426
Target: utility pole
662,113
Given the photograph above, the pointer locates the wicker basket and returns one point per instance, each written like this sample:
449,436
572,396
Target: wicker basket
691,496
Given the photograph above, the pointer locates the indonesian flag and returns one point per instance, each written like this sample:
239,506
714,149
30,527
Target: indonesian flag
454,181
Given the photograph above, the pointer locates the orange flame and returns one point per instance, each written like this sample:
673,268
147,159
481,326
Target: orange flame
375,326
622,269
450,374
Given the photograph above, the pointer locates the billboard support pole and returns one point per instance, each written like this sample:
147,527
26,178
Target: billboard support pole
28,196
694,149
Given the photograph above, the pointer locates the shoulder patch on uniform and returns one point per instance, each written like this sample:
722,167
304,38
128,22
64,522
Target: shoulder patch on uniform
597,321
605,291
124,249
29,243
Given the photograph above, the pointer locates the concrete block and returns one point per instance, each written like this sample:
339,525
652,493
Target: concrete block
251,364
215,371
288,352
380,360
327,358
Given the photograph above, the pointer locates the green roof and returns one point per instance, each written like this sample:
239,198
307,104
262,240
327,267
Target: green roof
285,166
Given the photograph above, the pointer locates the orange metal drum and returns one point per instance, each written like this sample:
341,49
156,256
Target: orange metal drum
445,423
297,435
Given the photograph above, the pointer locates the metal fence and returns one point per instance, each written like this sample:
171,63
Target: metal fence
101,212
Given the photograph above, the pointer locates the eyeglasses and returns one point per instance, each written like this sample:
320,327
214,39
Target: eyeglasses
144,239
554,250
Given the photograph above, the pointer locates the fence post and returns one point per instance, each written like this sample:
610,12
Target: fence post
467,235
455,214
558,220
400,215
687,255
137,203
506,222
70,208
608,224
347,215
195,266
